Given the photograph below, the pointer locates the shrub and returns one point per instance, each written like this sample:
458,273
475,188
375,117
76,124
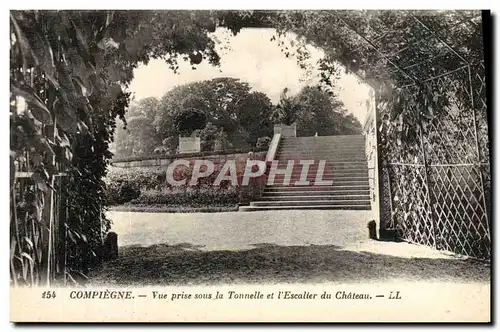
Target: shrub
141,178
253,191
148,186
124,185
194,197
221,142
120,192
263,142
287,111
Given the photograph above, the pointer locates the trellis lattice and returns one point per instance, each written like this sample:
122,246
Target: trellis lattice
385,200
460,217
450,137
428,71
411,206
444,201
485,172
478,84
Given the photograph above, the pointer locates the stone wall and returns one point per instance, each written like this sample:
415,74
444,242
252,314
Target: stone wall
370,133
189,144
286,131
165,161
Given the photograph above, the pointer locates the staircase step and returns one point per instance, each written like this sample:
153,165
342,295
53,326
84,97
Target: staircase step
306,207
325,138
308,148
316,188
328,165
340,170
312,182
317,193
309,202
313,143
338,182
316,157
319,156
328,147
314,153
329,161
334,162
302,198
337,175
324,145
298,150
328,173
346,167
330,176
312,178
297,168
336,165
333,174
343,185
297,154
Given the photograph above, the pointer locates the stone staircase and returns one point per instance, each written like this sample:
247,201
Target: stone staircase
346,167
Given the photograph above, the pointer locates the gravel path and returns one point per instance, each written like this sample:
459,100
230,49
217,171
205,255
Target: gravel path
241,230
269,247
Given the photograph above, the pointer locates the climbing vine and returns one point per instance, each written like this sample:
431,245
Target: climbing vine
69,73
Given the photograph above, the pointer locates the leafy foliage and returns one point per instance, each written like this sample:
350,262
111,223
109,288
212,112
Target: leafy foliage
119,192
189,120
287,111
70,69
209,136
225,102
324,114
189,197
148,186
193,109
263,142
315,110
68,76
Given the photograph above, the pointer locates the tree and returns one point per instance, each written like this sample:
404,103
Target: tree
225,102
208,136
320,112
287,111
71,69
176,102
145,107
263,142
188,120
254,116
139,136
142,135
121,147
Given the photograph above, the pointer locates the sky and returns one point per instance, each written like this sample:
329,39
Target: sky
254,58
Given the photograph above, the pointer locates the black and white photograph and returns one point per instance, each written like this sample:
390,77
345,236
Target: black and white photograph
250,165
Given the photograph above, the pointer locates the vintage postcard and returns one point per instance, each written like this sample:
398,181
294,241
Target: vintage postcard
250,166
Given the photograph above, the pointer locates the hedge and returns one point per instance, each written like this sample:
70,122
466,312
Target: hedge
186,155
194,197
148,186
